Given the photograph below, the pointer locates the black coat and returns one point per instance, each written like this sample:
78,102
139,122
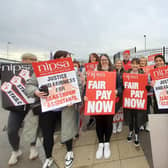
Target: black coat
119,87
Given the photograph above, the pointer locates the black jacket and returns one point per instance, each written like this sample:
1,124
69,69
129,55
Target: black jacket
21,108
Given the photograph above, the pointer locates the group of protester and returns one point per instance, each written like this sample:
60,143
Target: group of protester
70,115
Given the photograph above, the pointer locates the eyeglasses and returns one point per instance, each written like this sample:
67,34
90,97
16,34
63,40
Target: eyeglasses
104,60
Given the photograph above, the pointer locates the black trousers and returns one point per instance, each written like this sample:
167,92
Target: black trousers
15,121
133,122
47,122
104,127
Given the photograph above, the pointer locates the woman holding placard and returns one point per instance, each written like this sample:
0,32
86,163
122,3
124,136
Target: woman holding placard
48,120
104,125
159,64
134,117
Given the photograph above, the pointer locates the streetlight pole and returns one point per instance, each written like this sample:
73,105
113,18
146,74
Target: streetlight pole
7,48
145,42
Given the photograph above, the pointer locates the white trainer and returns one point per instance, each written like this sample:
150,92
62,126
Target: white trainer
141,128
14,157
119,129
114,128
33,153
69,159
99,152
48,162
107,151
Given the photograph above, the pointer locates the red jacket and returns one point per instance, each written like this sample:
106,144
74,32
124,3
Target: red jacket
127,65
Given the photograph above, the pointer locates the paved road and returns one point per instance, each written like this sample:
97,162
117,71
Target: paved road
5,149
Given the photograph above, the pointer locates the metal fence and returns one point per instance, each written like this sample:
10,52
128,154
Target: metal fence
146,53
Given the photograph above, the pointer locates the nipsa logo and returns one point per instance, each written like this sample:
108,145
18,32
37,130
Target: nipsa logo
130,76
95,74
161,73
54,66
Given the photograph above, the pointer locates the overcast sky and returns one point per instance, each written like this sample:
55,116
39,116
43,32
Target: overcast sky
82,26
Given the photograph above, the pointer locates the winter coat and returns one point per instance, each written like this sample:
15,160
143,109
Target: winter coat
19,109
127,65
119,86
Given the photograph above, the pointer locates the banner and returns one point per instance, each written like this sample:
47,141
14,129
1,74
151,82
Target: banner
60,78
135,93
100,91
13,79
90,66
119,116
160,76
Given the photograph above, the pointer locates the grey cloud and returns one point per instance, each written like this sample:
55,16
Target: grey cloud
83,26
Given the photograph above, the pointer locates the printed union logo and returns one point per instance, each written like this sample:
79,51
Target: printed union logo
49,67
161,73
94,75
128,76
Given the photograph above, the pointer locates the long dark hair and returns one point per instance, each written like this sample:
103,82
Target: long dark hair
159,56
95,55
99,66
60,53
